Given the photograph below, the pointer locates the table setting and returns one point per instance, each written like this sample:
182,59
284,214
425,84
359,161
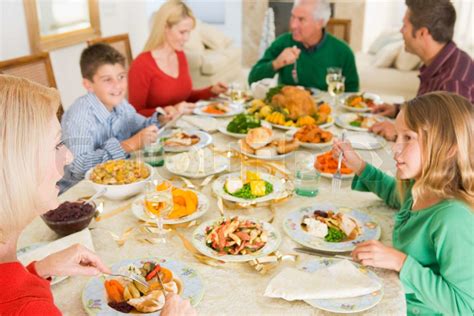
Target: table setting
232,231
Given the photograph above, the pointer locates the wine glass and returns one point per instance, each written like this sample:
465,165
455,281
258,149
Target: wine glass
332,71
335,86
158,204
236,93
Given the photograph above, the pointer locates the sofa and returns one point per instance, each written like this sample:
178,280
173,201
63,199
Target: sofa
212,57
387,69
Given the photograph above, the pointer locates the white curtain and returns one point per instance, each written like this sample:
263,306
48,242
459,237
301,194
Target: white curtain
463,31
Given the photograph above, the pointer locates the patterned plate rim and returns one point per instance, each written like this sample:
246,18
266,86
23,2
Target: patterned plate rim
205,140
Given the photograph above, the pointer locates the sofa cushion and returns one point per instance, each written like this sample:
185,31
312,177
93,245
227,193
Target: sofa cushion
214,60
406,61
213,38
387,55
384,39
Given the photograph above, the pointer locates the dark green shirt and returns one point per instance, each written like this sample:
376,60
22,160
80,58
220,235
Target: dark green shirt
311,64
438,273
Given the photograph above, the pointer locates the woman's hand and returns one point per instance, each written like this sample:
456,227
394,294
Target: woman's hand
219,88
185,107
175,305
375,254
349,156
75,260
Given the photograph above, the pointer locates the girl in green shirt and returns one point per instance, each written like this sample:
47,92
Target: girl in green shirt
433,236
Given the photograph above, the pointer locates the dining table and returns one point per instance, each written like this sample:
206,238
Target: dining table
229,288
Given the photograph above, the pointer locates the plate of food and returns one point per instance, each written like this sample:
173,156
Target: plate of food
348,304
239,126
326,164
178,140
360,102
252,187
198,163
288,107
365,141
360,122
117,295
312,136
259,143
217,108
327,228
187,206
236,239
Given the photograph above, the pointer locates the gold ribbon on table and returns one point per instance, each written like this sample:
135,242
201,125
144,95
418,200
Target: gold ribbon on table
267,263
114,212
120,240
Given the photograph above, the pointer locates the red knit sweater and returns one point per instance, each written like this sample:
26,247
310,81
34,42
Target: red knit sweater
24,292
149,86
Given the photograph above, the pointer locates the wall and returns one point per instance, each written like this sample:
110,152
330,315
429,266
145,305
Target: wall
116,17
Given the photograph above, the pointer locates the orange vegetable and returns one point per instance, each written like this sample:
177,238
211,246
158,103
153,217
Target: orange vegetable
166,275
327,164
163,186
324,108
114,290
212,110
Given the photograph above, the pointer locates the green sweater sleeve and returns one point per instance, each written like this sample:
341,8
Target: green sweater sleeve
449,290
376,181
264,68
350,72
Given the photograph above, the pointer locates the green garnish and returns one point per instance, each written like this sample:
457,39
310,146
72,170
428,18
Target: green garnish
242,123
271,92
246,193
355,123
335,235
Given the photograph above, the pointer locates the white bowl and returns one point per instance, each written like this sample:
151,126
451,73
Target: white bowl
121,191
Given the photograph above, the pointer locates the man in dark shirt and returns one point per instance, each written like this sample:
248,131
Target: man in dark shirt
428,28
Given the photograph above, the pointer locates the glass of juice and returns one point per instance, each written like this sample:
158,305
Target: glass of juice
158,204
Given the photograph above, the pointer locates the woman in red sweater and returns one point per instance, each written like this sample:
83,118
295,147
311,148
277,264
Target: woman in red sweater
32,161
159,76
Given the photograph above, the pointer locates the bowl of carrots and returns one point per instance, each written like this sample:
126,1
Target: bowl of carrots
326,164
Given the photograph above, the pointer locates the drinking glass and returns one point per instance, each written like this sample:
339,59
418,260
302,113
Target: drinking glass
154,154
307,182
158,204
336,86
236,93
332,71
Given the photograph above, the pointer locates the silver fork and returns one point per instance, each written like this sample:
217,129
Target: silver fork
132,276
294,72
337,177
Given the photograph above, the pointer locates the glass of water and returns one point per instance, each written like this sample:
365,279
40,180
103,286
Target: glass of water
307,182
336,86
154,154
332,71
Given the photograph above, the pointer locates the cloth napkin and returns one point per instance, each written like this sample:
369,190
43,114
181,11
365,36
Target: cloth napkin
340,280
83,237
205,123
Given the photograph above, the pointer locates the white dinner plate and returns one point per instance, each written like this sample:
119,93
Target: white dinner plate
234,109
344,120
291,133
376,98
236,147
323,126
366,141
204,140
196,164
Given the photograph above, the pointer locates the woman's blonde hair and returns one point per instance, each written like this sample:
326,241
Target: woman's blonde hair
26,111
445,124
170,13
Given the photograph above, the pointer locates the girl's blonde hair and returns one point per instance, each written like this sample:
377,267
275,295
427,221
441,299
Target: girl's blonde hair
26,111
170,13
445,124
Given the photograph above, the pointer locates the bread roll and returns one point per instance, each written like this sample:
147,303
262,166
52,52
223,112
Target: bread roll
259,137
245,148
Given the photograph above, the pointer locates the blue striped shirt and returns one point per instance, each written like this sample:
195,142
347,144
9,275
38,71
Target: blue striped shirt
93,134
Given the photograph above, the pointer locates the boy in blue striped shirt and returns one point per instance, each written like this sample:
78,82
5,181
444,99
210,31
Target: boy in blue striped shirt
102,125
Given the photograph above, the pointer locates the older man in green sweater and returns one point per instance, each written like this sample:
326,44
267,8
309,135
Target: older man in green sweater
308,49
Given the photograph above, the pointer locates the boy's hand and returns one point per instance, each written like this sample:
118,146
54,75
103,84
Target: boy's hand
144,137
170,113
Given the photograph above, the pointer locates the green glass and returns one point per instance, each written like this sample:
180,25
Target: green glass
154,154
307,182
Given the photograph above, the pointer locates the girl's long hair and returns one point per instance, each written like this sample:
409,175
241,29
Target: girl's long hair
444,123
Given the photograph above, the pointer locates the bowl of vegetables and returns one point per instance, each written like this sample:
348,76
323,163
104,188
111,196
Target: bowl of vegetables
239,126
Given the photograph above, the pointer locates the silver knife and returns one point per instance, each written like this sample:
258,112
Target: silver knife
169,124
161,284
322,254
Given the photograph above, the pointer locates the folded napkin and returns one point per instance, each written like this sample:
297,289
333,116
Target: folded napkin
340,280
83,237
205,123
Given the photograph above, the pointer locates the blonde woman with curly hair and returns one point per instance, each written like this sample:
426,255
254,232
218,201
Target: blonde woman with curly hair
32,159
159,76
433,242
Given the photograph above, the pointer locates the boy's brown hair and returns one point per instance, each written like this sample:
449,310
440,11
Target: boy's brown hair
97,55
